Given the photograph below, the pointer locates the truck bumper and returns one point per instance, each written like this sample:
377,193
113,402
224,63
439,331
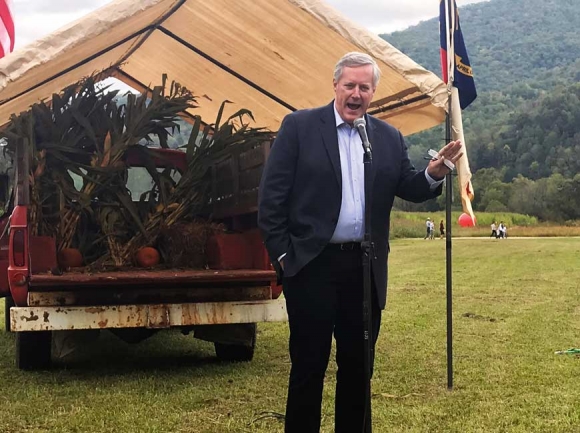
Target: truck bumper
159,316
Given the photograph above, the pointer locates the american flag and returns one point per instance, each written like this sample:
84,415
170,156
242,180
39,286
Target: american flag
6,29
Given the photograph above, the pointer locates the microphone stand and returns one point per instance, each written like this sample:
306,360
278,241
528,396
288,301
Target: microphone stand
367,256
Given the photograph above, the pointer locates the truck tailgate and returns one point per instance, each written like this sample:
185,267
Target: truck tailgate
158,278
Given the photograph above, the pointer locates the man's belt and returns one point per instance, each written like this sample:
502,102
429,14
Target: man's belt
345,246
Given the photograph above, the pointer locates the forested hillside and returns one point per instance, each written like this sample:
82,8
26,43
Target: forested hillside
508,41
525,123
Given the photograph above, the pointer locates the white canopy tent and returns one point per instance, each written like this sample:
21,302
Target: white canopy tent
269,56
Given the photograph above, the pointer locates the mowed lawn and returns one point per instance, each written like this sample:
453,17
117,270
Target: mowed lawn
516,302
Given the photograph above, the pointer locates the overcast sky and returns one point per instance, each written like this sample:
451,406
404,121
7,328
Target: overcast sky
36,18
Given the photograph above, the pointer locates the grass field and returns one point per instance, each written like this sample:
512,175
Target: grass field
412,225
516,302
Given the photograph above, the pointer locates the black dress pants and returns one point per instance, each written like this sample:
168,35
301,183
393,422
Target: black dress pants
323,299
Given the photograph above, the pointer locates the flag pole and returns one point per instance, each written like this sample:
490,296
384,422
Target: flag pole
449,256
449,19
461,92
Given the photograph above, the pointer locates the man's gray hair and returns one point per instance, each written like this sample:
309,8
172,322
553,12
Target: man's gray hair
355,59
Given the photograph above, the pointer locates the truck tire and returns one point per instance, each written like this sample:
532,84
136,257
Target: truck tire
33,350
8,302
236,352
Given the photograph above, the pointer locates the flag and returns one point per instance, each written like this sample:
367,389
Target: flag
463,73
6,29
455,64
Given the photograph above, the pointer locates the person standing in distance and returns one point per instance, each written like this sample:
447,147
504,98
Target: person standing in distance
493,230
427,228
311,215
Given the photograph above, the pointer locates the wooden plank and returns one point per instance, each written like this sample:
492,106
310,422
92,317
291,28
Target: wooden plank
252,158
22,173
236,178
250,178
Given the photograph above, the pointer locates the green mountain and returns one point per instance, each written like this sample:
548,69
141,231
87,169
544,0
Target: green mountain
508,41
525,123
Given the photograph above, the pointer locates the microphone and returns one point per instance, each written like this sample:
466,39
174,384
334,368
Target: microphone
361,125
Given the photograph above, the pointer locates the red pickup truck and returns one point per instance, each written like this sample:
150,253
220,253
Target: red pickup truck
220,304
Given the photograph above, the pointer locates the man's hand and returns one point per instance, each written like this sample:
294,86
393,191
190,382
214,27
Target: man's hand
451,152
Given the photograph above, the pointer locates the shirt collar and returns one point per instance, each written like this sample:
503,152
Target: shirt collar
338,119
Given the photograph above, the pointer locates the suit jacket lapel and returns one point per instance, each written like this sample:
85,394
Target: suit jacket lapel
330,139
378,155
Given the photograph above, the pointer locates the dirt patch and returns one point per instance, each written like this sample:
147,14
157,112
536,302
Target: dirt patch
479,317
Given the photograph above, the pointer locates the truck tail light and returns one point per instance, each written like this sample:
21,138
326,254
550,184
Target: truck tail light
18,249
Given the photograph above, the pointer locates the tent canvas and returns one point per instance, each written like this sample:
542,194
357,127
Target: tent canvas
269,56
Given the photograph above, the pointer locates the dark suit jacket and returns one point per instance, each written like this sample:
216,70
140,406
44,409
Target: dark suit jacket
300,190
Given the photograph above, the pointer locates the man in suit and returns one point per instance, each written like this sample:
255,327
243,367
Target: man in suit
311,214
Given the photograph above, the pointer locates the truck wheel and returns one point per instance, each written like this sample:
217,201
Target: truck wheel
8,302
236,352
33,350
